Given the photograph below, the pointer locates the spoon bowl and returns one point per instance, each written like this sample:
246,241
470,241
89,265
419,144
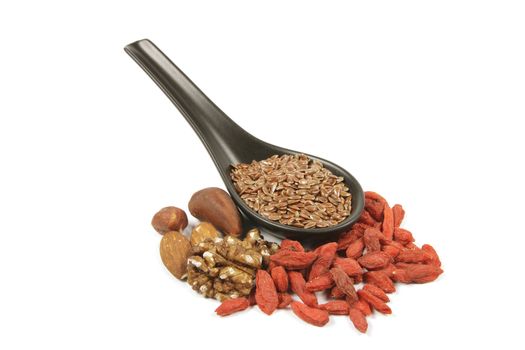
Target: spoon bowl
229,144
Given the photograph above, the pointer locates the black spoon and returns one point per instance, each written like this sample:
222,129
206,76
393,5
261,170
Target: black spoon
227,143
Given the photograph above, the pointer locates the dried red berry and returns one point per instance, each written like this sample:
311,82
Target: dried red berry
376,291
298,286
362,305
360,228
293,260
413,256
374,301
292,245
325,257
335,307
399,214
434,257
285,299
411,246
350,266
380,280
367,219
265,292
348,238
358,319
355,249
388,270
375,196
371,239
391,250
388,222
375,260
230,306
336,293
271,265
417,273
320,283
375,208
311,315
402,236
343,282
280,278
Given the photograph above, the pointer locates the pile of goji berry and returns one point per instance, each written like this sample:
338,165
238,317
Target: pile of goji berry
375,252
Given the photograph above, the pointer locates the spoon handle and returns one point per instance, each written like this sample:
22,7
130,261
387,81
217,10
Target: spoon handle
225,141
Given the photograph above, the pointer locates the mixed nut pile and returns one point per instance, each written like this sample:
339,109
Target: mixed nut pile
354,274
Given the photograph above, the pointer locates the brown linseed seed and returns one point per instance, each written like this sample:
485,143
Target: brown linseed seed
293,190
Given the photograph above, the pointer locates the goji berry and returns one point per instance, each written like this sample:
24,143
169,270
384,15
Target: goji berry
375,302
388,222
293,260
375,260
371,239
360,228
316,250
417,273
376,291
350,266
400,275
230,306
380,280
391,250
280,278
434,257
355,249
323,282
271,265
398,245
358,319
402,236
375,208
325,257
285,299
367,219
413,256
411,246
402,265
347,238
298,286
343,282
335,307
265,292
362,305
399,214
388,270
311,315
336,293
375,196
292,245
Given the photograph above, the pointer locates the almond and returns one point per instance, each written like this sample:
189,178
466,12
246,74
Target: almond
175,249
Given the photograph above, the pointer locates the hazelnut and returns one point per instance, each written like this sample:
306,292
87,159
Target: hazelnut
169,219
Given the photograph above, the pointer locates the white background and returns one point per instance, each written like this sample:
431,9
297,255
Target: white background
421,100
